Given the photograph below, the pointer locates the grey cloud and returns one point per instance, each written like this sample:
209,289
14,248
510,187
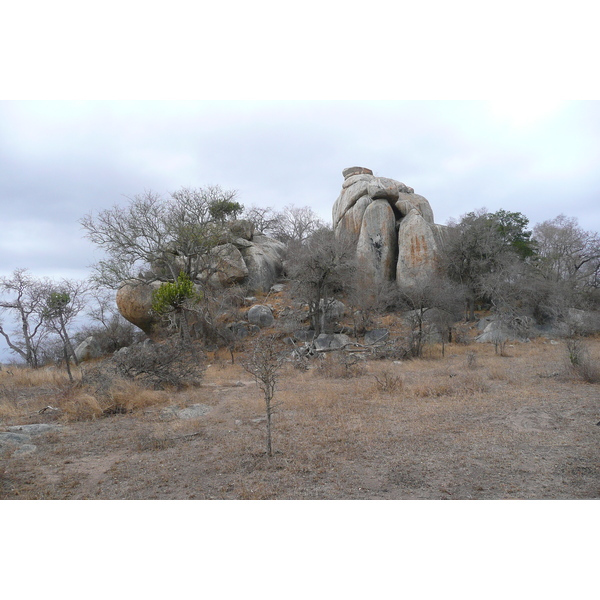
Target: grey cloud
61,160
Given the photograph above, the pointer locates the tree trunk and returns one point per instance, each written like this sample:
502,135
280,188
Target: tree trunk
67,362
269,446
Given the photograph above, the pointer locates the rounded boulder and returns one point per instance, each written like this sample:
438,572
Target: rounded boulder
261,315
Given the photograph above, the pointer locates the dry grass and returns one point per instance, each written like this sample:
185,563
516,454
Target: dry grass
16,377
518,426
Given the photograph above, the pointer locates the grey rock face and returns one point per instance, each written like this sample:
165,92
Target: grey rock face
242,229
190,412
350,171
375,249
370,210
229,265
88,349
264,260
261,315
11,438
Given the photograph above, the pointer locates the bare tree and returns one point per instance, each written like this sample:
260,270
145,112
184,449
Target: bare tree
567,253
264,364
63,302
155,238
322,268
22,297
294,225
369,298
263,219
433,303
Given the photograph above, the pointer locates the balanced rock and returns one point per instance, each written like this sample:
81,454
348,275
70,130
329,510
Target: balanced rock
134,301
392,227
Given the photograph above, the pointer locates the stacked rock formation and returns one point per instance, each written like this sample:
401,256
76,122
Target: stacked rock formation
393,228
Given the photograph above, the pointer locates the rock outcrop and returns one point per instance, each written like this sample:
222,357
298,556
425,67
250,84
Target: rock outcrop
393,228
239,258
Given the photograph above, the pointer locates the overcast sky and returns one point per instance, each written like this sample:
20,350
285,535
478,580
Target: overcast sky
62,159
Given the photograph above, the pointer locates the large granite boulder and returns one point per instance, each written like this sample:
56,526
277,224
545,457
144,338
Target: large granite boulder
417,249
134,301
393,228
228,265
375,248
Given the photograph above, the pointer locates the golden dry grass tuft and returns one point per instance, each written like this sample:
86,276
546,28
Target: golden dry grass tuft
17,376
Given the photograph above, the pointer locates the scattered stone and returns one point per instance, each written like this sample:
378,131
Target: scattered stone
331,341
20,443
261,315
33,429
277,288
335,309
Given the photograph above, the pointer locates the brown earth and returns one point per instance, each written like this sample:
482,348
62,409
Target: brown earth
470,425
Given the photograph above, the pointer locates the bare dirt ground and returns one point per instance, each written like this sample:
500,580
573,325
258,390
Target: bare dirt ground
471,425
